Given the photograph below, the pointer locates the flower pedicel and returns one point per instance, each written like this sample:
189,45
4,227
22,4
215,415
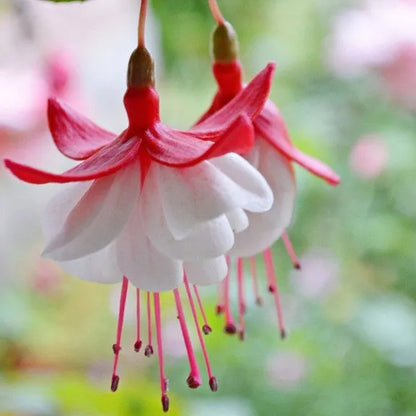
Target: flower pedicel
154,206
272,154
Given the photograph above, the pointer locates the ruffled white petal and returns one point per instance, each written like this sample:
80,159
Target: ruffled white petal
208,239
94,219
203,192
145,266
206,272
265,228
238,220
100,266
258,195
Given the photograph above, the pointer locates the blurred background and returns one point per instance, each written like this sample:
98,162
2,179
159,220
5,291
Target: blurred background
346,85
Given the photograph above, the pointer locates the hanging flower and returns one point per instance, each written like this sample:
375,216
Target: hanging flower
156,205
272,154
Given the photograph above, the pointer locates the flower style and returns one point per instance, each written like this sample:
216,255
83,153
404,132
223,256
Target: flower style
156,205
272,154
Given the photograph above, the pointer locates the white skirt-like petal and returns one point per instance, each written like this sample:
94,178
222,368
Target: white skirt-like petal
100,266
145,266
191,196
87,223
265,228
208,239
206,272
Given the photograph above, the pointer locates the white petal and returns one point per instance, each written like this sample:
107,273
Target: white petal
238,220
259,197
100,266
265,228
206,272
94,219
145,266
208,239
211,188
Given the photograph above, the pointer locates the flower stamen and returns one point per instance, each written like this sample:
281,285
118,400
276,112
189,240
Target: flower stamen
194,378
219,309
138,343
148,351
253,270
117,346
241,302
274,289
212,380
290,250
230,327
206,329
163,379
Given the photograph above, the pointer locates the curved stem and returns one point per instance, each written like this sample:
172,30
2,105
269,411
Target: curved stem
216,13
142,23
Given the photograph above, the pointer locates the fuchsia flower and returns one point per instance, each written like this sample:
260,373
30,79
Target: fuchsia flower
272,154
156,205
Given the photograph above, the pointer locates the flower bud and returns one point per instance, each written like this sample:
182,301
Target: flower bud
224,43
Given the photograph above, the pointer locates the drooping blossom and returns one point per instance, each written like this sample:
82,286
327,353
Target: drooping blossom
272,154
154,205
380,36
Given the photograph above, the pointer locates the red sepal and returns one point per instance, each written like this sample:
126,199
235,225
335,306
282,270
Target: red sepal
75,135
107,160
249,101
183,149
271,126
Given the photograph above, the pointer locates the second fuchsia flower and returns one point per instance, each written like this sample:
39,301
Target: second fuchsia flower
272,154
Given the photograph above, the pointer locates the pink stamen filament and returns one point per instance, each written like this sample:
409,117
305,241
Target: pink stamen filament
220,298
206,328
212,379
253,269
163,379
290,250
273,287
194,379
241,303
229,321
148,351
216,13
138,342
117,346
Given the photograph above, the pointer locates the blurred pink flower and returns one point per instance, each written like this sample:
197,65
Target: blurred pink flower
319,275
369,156
380,36
286,369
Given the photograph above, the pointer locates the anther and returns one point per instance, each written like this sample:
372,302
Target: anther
148,351
192,382
213,384
290,250
230,329
116,348
165,402
206,329
137,345
114,382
